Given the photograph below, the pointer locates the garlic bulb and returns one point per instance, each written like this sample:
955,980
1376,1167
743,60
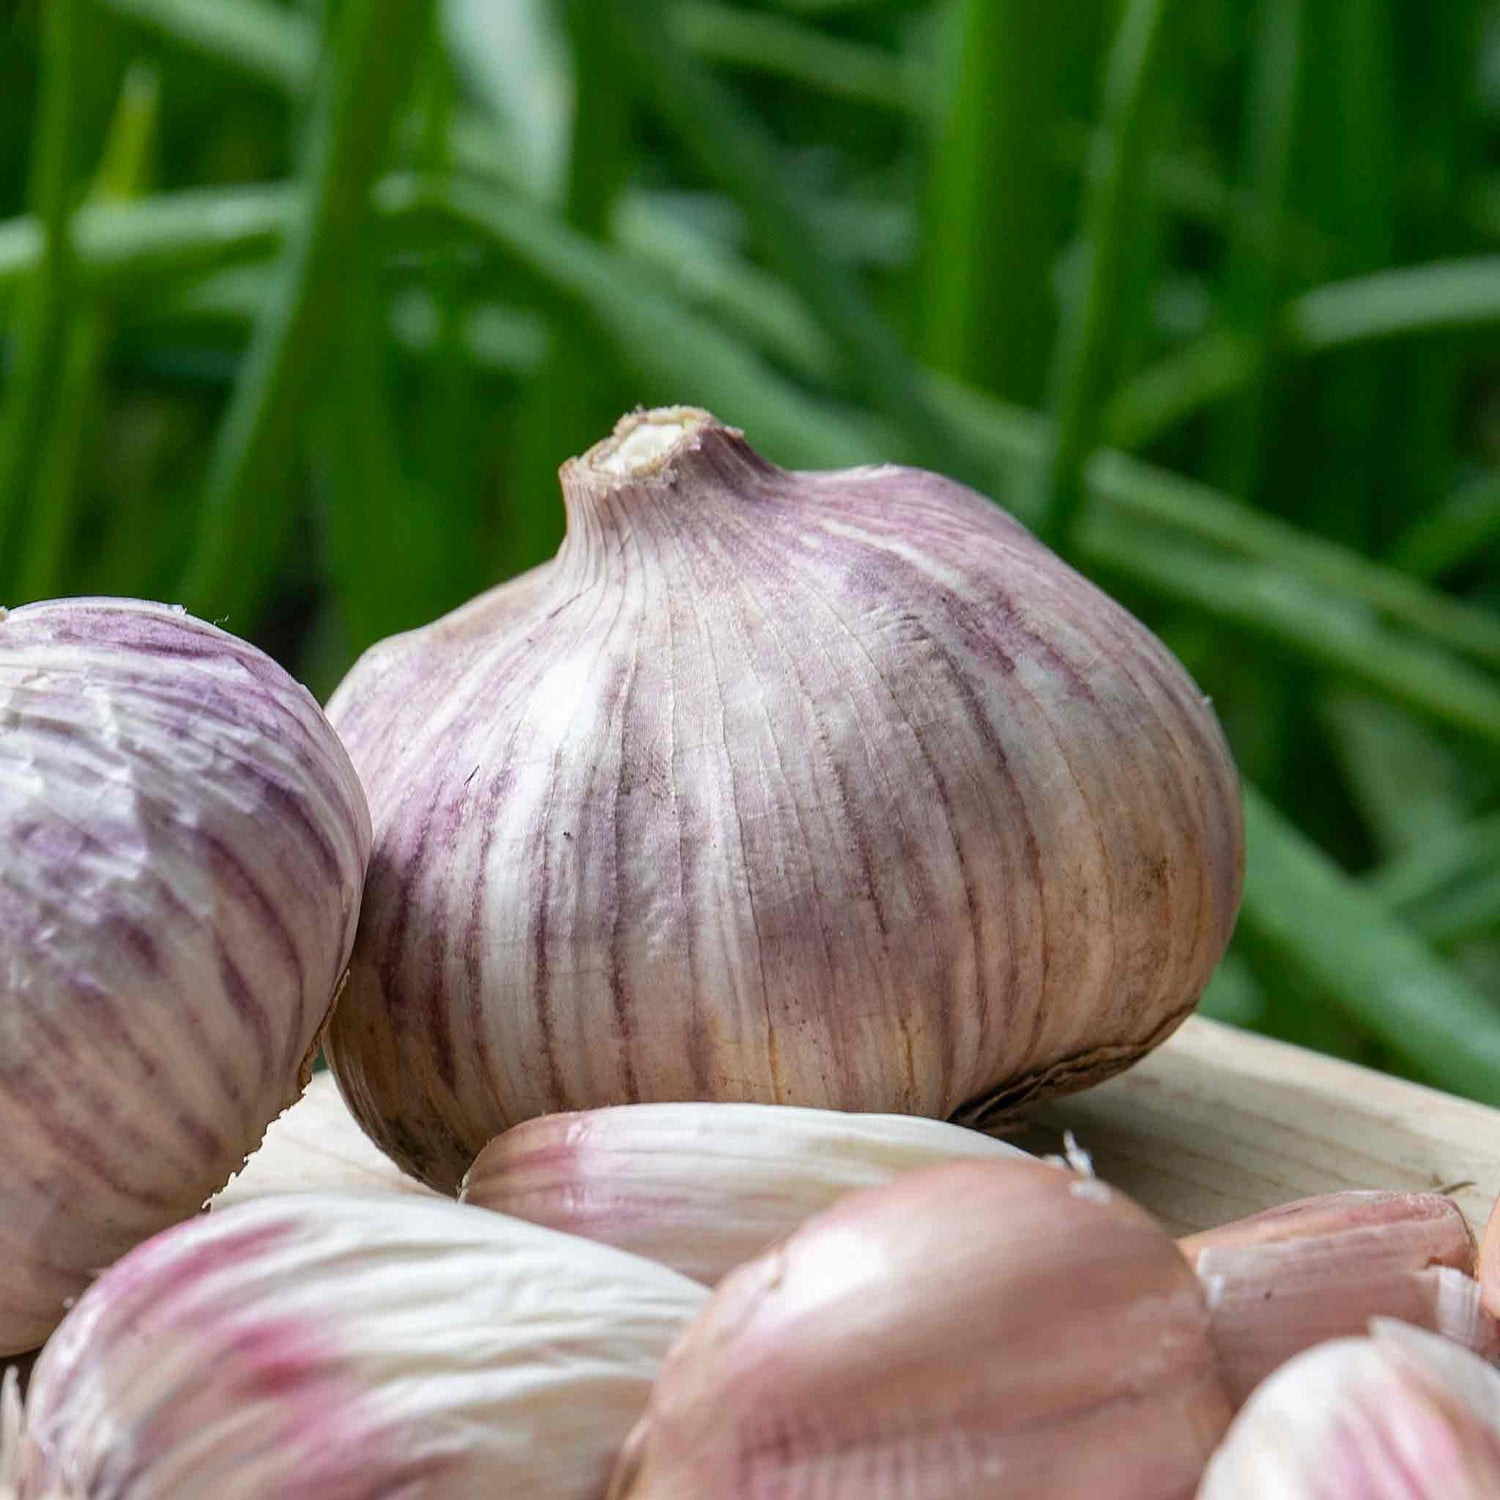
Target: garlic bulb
316,1147
985,1330
185,842
343,1348
1279,1282
826,789
702,1187
1401,1415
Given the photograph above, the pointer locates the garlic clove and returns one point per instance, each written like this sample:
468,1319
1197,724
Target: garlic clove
702,1187
823,789
339,1347
981,1329
1401,1415
317,1146
185,845
1321,1268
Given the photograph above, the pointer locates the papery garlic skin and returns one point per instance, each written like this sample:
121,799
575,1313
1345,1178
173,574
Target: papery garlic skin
1320,1268
317,1146
1002,1330
348,1348
1401,1415
822,789
184,844
703,1187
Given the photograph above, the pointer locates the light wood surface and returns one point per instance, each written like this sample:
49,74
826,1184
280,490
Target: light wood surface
1219,1123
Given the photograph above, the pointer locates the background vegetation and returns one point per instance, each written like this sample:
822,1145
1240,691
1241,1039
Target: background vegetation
304,303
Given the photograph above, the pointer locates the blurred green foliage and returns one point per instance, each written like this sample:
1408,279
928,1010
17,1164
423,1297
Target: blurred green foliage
305,302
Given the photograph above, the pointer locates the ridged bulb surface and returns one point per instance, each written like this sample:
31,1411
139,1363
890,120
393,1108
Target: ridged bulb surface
829,789
350,1348
185,842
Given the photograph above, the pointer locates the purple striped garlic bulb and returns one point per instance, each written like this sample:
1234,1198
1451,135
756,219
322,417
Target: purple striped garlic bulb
827,789
184,842
350,1348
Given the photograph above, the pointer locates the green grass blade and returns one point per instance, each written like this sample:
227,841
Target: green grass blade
1130,493
1254,274
563,411
1447,888
267,42
1268,605
759,307
1178,385
127,154
246,510
1405,302
1340,940
1400,776
168,235
278,47
992,214
673,354
763,43
1415,878
1462,526
386,541
1080,366
1409,300
1143,492
1192,191
43,324
1346,176
495,338
734,149
206,228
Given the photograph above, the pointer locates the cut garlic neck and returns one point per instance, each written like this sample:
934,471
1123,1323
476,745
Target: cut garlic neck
641,443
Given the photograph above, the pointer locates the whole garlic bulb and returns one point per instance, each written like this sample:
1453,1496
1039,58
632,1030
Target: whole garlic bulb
828,789
703,1187
184,844
999,1330
1401,1415
349,1348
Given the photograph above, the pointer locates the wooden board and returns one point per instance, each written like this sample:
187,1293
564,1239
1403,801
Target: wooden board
1215,1124
1219,1123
